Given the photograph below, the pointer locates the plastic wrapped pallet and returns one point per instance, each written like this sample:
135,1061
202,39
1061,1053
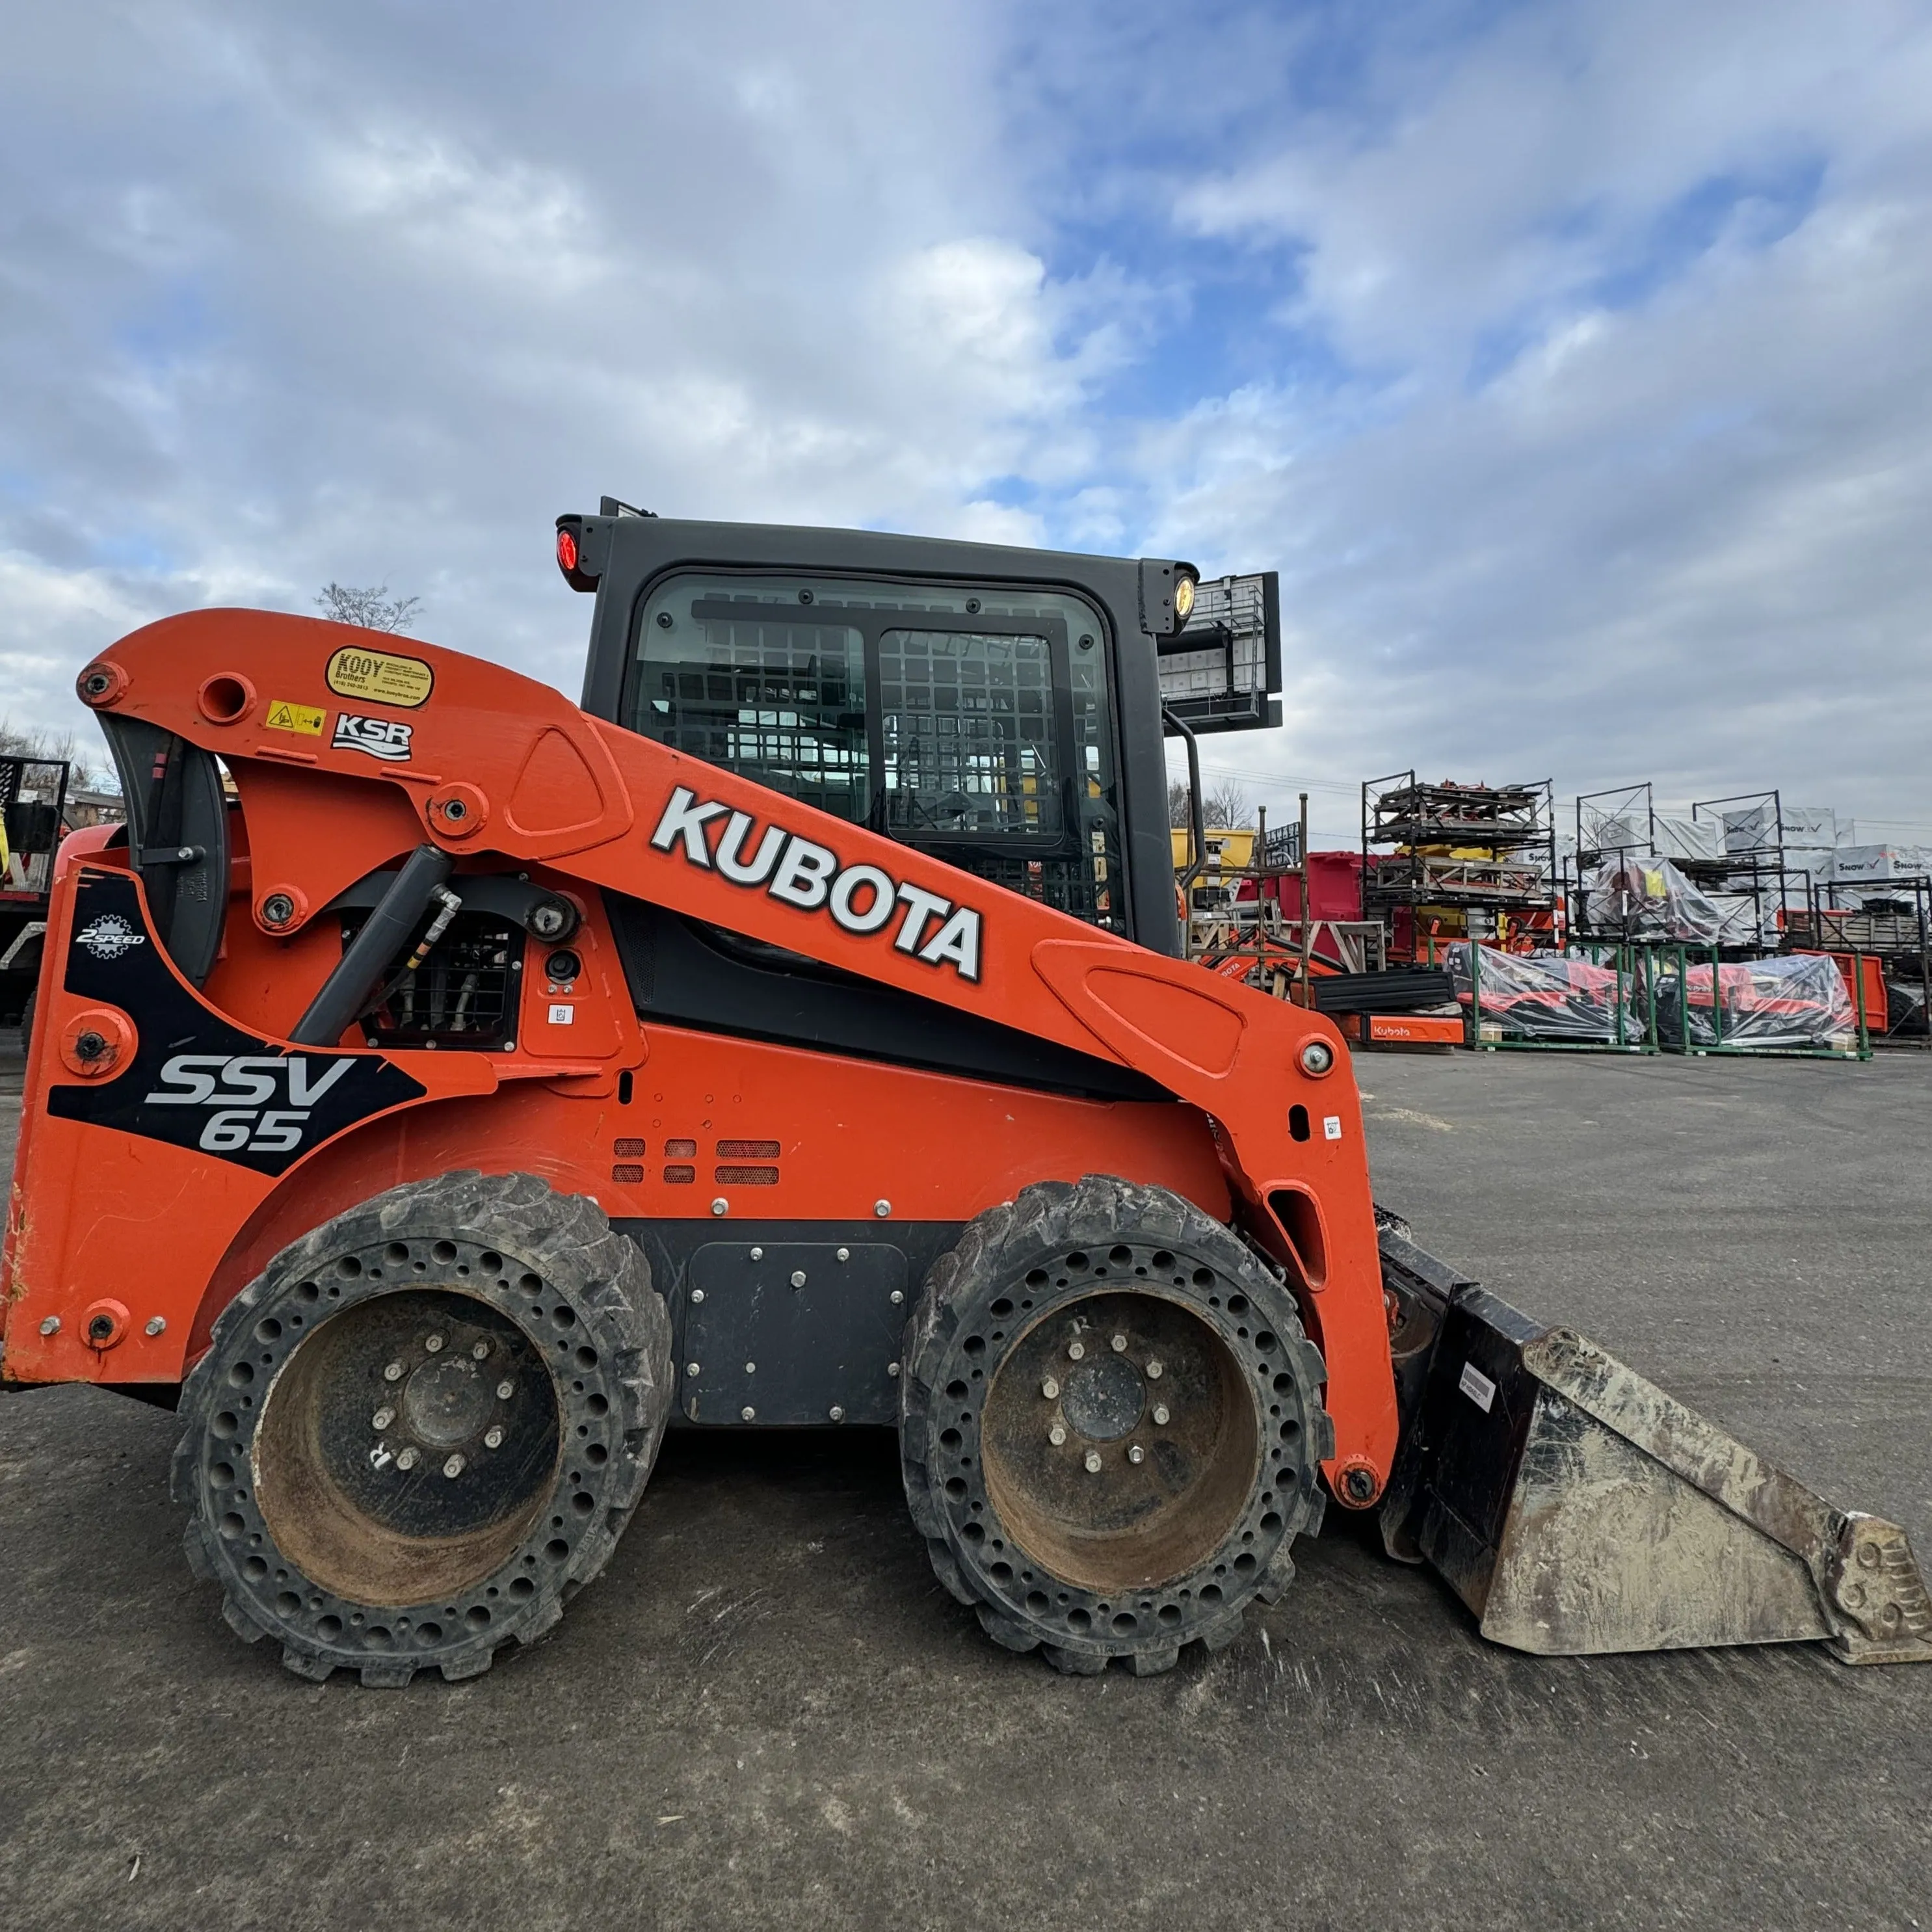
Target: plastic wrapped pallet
1679,836
1852,864
1545,996
1905,1009
1797,1003
1650,899
1738,919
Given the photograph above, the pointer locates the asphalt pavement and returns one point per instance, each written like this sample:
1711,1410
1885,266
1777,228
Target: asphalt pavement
768,1713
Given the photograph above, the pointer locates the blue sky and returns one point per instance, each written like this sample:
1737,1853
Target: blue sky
1569,360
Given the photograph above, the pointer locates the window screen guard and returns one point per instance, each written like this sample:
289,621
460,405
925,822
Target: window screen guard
974,724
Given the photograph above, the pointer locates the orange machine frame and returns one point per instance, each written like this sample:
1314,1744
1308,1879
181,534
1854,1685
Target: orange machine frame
159,1237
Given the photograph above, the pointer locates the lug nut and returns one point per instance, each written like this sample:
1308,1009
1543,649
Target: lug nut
482,1349
1076,1351
382,1419
1160,1415
1057,1435
1119,1345
1093,1462
432,1344
454,1467
1137,1455
493,1437
505,1390
1153,1372
406,1460
393,1372
1050,1389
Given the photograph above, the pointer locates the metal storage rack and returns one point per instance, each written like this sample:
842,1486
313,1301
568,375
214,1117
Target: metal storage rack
1474,850
1754,863
1901,940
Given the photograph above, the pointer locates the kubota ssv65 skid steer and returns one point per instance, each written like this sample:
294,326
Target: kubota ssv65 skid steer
438,1089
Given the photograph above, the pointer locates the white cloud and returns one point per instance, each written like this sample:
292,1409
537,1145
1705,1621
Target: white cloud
1591,438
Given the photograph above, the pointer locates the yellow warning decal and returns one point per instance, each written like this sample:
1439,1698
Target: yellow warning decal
283,716
380,678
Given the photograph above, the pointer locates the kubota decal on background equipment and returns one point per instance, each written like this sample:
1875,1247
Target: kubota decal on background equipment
797,871
195,1080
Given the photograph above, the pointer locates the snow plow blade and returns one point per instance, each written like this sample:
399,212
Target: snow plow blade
1577,1509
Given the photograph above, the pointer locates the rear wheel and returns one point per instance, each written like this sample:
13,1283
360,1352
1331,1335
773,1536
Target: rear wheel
1110,1425
424,1427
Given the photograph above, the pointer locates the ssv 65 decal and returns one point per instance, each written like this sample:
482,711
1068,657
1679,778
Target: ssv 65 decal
195,1080
860,899
235,1088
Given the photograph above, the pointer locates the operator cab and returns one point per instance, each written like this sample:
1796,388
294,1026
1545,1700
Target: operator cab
1003,710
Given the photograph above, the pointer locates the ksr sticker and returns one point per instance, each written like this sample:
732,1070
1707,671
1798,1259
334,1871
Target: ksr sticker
385,738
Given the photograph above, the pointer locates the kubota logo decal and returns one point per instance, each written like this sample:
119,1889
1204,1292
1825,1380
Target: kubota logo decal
238,1089
862,899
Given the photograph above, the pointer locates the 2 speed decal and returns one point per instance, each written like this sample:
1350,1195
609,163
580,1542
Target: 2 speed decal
239,1091
385,738
798,871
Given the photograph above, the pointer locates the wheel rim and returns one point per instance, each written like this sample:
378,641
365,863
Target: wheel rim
406,1447
1158,1446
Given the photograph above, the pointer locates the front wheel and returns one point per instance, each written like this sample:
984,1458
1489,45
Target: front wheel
424,1427
1110,1425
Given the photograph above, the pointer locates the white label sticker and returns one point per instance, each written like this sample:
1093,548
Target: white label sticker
1331,1127
562,1016
1477,1387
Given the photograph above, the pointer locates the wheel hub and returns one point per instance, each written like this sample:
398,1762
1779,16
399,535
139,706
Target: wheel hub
1120,1440
1105,1397
448,1401
414,1434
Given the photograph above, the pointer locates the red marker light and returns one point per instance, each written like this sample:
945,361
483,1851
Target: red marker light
566,552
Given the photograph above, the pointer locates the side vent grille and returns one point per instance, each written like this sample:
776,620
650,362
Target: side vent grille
739,1163
735,1168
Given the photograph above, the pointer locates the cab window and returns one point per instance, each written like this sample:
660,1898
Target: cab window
972,723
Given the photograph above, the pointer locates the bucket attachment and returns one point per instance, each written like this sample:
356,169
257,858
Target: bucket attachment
1576,1508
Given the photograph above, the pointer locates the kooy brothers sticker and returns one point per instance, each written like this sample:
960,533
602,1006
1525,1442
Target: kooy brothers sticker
861,899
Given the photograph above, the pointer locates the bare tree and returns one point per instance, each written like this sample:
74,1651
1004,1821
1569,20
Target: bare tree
1224,805
373,608
57,747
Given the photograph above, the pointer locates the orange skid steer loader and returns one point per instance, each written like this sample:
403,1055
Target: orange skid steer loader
438,1089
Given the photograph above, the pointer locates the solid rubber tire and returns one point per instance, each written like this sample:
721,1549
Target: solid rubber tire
993,1261
562,1243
